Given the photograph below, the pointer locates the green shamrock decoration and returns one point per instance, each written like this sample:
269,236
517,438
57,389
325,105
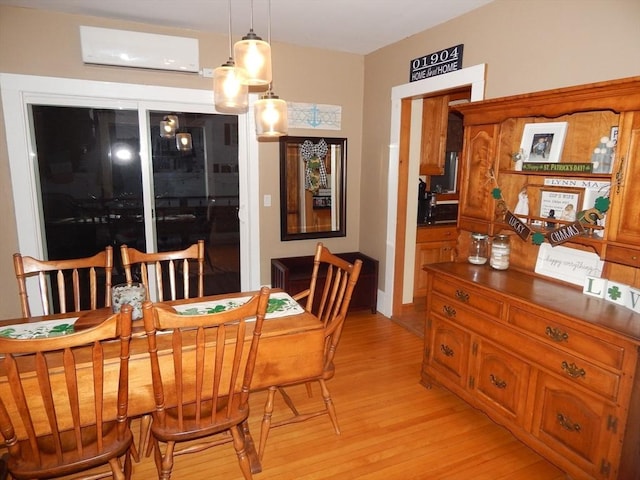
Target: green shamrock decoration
614,293
602,204
496,193
537,238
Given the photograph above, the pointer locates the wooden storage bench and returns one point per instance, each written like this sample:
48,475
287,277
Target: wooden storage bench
293,274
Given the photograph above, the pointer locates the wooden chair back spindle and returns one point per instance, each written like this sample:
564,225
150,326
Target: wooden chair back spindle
166,263
64,275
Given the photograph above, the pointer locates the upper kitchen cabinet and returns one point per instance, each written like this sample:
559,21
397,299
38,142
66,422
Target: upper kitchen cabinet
435,113
502,172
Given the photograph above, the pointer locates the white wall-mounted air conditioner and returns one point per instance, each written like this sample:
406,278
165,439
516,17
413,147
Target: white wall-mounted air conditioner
105,46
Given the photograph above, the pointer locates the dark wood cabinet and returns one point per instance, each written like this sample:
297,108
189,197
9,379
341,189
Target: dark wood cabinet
293,274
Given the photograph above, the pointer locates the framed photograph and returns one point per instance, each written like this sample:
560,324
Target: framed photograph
613,135
560,203
542,142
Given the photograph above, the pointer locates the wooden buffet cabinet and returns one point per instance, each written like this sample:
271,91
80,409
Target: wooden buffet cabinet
556,367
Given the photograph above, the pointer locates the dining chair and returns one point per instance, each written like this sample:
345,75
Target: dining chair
67,280
328,297
202,390
167,266
72,410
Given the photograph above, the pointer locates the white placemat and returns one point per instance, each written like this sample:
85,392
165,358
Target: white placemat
46,328
280,305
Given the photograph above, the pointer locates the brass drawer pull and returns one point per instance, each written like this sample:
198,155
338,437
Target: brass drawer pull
572,370
449,311
446,350
567,424
462,296
497,381
556,334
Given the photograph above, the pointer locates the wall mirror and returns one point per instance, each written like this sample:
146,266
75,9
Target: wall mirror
312,187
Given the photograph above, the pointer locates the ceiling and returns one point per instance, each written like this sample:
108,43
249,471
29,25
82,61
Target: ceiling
355,26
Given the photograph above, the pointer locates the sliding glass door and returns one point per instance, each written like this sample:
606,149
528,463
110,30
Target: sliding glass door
88,172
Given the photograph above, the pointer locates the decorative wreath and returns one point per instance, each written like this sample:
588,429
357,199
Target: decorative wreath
313,155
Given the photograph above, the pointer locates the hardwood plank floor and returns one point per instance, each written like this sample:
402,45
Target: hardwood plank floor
392,427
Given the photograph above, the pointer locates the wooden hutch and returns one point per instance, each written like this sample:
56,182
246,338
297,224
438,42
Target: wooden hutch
558,368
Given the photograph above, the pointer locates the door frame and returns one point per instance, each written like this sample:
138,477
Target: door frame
401,162
19,91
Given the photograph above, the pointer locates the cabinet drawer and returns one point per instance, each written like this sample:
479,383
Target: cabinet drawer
468,296
576,370
626,256
435,234
566,337
449,350
575,426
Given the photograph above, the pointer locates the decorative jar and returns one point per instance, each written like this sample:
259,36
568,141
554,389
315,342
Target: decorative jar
500,251
478,249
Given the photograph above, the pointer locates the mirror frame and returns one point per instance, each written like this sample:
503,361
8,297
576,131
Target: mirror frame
341,188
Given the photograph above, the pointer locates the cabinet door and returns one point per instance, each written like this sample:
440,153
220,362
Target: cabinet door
623,225
435,114
577,426
448,351
479,159
430,252
500,381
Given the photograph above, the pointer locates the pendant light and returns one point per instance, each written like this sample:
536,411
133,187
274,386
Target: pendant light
169,125
270,111
254,55
271,116
230,84
184,141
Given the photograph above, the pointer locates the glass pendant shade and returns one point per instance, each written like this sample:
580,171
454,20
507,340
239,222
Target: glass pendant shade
271,116
183,141
254,55
230,89
168,126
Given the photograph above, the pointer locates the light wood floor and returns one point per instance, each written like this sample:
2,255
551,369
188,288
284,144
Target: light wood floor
392,427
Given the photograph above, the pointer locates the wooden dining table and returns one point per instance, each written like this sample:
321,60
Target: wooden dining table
291,349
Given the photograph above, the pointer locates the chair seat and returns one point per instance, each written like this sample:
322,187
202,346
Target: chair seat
191,428
50,466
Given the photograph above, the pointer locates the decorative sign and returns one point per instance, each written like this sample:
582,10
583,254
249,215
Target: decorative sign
557,167
568,264
313,115
517,225
437,63
565,233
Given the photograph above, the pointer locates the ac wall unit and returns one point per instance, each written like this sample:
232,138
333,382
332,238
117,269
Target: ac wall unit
105,46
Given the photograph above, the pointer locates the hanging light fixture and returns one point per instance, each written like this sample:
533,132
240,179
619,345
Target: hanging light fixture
254,55
271,116
169,125
230,84
270,111
184,141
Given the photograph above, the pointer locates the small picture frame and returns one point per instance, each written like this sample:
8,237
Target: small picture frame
613,134
560,203
543,142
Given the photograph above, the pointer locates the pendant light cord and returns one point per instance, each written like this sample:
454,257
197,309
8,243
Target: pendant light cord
251,24
230,42
268,24
269,36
